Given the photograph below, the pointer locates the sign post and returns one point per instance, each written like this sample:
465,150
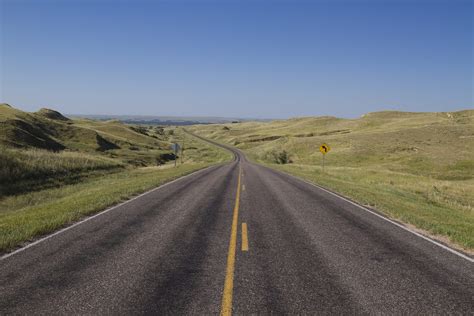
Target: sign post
175,148
324,149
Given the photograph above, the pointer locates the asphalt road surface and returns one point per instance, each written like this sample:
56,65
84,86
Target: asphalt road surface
236,238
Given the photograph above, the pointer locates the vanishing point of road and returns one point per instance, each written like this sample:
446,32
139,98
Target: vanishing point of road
236,238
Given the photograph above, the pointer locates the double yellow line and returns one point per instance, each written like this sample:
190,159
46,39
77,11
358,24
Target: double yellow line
229,277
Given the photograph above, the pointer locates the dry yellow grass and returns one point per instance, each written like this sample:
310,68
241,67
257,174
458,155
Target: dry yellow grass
417,168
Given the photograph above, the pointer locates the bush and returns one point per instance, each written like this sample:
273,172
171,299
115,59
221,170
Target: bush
140,129
160,130
163,158
279,157
283,157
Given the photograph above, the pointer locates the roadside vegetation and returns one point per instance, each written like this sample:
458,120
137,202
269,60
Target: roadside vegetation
55,170
24,170
417,168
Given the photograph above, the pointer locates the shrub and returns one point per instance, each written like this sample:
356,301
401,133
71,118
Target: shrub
140,129
283,157
279,157
160,130
163,158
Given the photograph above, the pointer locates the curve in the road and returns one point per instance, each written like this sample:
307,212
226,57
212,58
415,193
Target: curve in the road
168,251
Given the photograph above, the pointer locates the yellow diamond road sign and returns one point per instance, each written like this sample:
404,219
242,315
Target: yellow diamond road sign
324,148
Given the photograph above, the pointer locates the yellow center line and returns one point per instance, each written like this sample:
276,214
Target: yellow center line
245,239
226,308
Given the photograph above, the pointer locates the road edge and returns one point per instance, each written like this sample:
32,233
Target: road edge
88,218
379,214
374,212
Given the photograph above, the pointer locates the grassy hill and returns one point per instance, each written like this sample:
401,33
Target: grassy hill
50,130
417,168
45,148
55,170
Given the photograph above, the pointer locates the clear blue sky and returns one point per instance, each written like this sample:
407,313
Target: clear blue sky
271,59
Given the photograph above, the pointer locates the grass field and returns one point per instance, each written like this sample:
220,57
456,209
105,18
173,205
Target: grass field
27,170
417,168
45,188
24,217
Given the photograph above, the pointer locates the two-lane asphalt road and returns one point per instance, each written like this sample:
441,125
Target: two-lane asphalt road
236,238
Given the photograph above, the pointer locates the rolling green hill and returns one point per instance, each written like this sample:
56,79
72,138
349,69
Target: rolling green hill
50,130
46,148
417,168
442,143
55,170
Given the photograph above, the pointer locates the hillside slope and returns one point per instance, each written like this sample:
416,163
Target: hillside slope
439,145
55,170
46,149
48,129
417,168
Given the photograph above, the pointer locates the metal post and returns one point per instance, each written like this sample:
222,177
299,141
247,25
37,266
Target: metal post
323,162
175,153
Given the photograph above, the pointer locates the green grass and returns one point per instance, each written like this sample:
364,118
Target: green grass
49,130
441,207
25,217
32,169
417,168
54,171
